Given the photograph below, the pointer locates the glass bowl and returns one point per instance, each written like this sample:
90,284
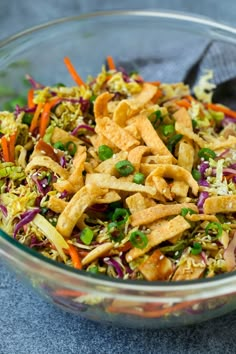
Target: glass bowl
162,46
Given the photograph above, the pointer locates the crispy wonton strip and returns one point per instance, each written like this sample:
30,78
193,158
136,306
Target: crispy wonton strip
192,268
164,231
156,267
113,132
201,217
185,160
63,136
156,159
98,252
181,129
151,138
175,172
45,161
99,139
162,187
108,166
100,105
58,205
104,180
136,154
76,179
220,204
122,113
137,202
80,201
228,143
141,99
159,211
182,117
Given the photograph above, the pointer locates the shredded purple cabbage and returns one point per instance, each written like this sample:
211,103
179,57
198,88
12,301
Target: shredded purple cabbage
116,265
42,184
203,167
223,153
202,197
82,126
84,104
25,219
35,85
63,161
64,194
36,243
4,210
203,183
227,120
19,110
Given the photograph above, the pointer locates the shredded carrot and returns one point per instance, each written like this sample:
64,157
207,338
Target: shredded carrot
30,98
157,95
154,313
73,72
111,63
34,122
218,108
68,292
75,257
11,147
230,176
5,149
183,103
46,115
155,83
190,98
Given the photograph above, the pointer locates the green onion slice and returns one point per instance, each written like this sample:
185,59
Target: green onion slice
196,249
124,167
120,215
206,154
71,148
173,141
185,211
104,152
196,174
114,232
87,236
167,129
138,239
59,145
139,178
214,226
156,118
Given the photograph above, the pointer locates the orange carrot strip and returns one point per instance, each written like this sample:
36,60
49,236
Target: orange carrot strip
215,107
5,149
157,95
34,122
183,103
229,176
11,147
46,115
155,83
68,292
30,98
152,314
190,98
73,72
111,63
75,257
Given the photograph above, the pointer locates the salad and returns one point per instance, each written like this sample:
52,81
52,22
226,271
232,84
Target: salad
122,177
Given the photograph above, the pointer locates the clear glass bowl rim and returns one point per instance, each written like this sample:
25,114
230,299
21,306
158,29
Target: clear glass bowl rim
226,280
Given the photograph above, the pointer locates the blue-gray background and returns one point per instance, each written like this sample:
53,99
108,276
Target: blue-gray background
28,325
